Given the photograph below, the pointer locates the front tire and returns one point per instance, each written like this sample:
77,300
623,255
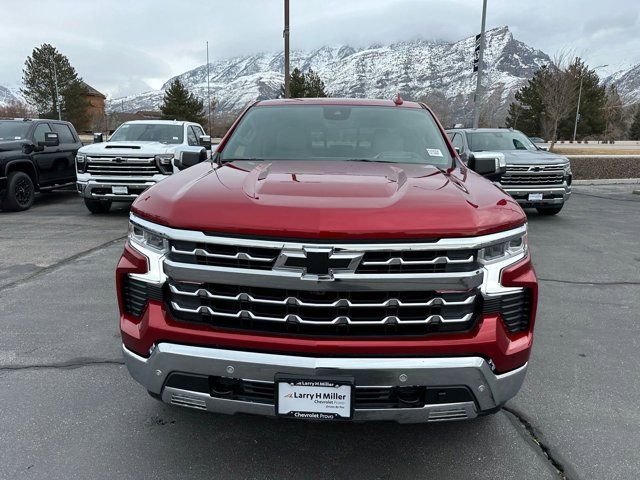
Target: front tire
549,210
97,206
20,192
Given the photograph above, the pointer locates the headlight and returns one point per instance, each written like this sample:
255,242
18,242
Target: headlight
81,162
147,239
164,163
503,250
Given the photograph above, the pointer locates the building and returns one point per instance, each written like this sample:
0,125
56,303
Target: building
95,113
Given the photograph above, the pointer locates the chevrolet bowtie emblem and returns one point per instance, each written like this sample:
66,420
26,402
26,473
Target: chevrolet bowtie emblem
318,263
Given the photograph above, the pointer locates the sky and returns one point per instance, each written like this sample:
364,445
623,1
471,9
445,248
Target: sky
128,47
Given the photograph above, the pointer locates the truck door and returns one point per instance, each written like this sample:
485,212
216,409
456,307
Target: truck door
45,159
69,146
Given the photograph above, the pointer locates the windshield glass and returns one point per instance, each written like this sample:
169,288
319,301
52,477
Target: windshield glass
148,132
13,130
335,132
497,141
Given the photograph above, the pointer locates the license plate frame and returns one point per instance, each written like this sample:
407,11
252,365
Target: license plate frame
535,197
119,190
286,384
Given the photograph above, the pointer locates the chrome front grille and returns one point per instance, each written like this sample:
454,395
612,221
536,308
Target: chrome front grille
222,255
326,313
122,166
296,287
418,261
533,175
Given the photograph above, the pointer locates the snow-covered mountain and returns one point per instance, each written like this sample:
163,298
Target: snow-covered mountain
9,96
440,70
628,83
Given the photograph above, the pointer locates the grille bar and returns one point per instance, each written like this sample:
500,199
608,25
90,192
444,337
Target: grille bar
126,166
343,302
435,261
341,320
236,256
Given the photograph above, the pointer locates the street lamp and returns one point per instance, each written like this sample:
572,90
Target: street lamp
575,125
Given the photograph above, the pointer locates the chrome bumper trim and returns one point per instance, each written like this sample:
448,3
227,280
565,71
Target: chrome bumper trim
85,188
458,281
490,390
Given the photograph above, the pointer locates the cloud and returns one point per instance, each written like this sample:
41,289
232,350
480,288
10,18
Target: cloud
126,47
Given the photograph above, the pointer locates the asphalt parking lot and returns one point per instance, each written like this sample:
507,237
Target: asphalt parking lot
70,410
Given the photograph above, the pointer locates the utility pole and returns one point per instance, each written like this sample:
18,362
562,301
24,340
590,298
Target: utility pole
55,81
287,91
478,95
208,89
575,125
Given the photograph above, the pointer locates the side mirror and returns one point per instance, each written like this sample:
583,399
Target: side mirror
487,163
98,138
189,159
458,150
205,141
50,140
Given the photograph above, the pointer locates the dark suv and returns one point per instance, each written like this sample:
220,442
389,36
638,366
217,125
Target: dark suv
35,155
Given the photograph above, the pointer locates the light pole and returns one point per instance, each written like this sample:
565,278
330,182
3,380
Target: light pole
575,125
287,91
55,81
476,105
208,89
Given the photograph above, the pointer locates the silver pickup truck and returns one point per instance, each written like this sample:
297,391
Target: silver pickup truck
534,177
139,154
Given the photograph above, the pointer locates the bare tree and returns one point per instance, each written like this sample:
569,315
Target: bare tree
441,106
558,94
17,110
613,115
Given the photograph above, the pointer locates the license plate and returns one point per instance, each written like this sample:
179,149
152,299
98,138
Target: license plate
314,399
535,196
120,190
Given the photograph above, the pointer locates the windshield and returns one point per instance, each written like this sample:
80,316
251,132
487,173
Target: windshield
148,132
492,141
321,132
13,131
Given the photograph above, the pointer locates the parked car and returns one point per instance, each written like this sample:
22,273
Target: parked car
335,260
535,178
139,154
35,156
540,143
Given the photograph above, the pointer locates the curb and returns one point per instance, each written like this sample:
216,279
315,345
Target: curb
607,181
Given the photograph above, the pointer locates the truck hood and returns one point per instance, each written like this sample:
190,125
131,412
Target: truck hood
11,145
533,157
128,148
330,200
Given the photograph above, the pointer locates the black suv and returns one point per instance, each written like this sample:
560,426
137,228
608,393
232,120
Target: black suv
35,155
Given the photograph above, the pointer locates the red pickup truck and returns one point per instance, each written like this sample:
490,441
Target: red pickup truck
335,260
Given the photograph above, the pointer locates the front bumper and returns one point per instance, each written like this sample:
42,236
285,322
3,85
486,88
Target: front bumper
550,195
101,188
489,390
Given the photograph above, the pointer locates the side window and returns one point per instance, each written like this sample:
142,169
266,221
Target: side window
41,129
457,142
199,131
64,133
192,138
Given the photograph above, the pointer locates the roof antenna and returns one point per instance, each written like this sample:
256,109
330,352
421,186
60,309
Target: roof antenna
398,100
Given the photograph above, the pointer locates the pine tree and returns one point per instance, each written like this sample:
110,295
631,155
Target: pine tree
180,104
41,70
525,113
634,131
303,85
592,119
313,85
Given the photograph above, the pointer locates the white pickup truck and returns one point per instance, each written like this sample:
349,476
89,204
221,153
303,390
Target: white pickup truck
139,154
